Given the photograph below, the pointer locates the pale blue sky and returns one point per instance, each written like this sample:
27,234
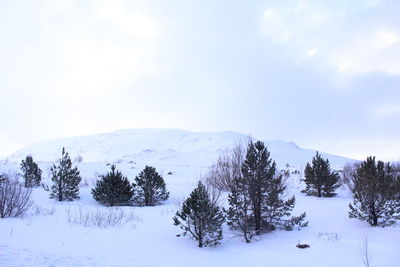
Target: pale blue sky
324,74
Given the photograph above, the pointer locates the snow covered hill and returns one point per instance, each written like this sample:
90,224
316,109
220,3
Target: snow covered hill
55,233
160,144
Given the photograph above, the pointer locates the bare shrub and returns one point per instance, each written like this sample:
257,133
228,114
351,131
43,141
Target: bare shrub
332,237
213,192
15,199
101,218
38,210
118,161
78,159
227,166
347,174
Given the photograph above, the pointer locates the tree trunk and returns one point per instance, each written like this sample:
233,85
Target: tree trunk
257,220
375,221
60,197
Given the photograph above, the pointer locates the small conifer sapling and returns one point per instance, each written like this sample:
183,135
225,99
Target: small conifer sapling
65,179
200,218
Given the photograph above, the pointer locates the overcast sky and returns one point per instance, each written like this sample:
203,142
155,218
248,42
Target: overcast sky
324,74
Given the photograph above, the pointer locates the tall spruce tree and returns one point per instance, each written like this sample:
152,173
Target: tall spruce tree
201,218
374,193
150,188
65,179
113,189
256,202
320,180
31,172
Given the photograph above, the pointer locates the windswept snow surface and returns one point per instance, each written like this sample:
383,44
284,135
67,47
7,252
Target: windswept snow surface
160,144
43,238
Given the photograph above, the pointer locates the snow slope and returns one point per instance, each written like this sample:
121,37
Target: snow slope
46,239
158,144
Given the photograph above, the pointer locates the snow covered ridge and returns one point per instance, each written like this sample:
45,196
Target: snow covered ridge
136,145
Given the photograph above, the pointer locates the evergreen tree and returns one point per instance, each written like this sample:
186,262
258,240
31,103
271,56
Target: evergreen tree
65,179
319,178
113,189
258,170
239,214
31,172
256,202
374,193
2,179
150,188
200,218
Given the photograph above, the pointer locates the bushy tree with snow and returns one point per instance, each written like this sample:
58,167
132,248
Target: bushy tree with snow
375,193
113,189
150,188
201,218
31,172
65,179
256,203
320,180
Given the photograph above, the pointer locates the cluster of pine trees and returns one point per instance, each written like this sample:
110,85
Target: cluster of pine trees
256,192
375,186
113,188
256,203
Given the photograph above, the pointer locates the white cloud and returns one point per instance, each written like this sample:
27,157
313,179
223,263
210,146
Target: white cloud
126,21
384,39
388,110
344,40
312,52
73,59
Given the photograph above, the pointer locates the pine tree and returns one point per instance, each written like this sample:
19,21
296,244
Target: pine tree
239,214
277,211
257,169
150,188
31,172
65,179
320,180
201,218
374,193
256,202
113,189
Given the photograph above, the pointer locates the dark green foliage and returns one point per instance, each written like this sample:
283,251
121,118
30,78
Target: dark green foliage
65,179
201,218
256,201
374,193
150,188
113,189
2,178
239,214
319,178
31,172
277,211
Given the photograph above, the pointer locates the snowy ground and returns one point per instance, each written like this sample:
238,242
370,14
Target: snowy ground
150,240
